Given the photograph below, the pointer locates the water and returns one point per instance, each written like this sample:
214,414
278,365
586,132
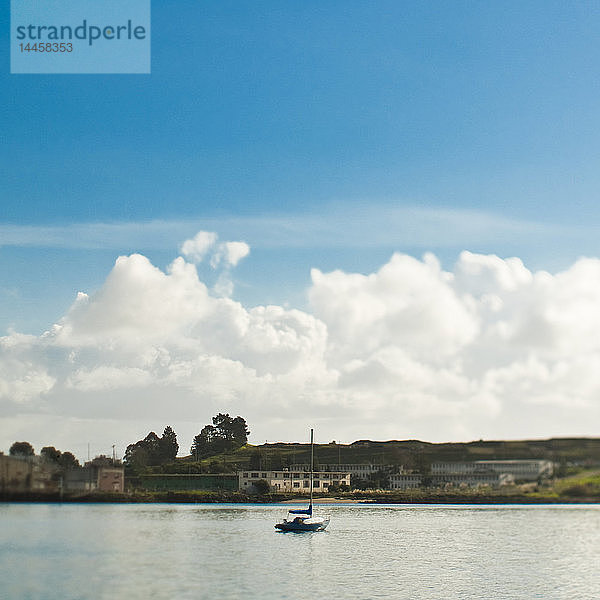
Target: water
71,551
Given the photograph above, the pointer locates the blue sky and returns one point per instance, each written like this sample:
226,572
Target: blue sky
255,109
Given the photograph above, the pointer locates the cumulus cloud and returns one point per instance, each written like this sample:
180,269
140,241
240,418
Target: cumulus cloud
233,252
197,248
223,255
488,349
204,243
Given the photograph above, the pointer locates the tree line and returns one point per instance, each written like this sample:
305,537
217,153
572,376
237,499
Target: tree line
226,433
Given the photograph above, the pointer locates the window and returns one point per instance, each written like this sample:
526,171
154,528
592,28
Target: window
254,475
296,484
306,483
317,483
245,474
264,475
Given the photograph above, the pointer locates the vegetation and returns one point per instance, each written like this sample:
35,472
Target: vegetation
261,487
582,485
222,448
225,434
152,450
64,460
379,480
21,449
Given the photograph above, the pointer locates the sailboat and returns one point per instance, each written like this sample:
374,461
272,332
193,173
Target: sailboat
302,519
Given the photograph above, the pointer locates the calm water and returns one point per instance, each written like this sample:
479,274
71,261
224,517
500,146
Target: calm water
232,551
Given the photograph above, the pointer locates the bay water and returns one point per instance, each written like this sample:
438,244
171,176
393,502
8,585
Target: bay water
223,551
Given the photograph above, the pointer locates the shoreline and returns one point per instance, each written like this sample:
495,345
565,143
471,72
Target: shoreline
238,498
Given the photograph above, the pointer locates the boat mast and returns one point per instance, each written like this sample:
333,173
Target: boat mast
312,460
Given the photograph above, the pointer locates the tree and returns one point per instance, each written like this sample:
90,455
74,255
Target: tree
379,480
205,442
68,460
64,460
168,445
50,453
21,449
226,433
152,450
262,487
144,452
357,483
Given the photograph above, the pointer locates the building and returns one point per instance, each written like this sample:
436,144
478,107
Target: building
297,480
362,471
520,470
405,481
27,474
99,475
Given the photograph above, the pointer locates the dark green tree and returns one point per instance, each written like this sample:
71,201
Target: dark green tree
356,483
226,433
21,449
239,430
262,487
378,480
50,453
205,442
144,452
67,460
168,445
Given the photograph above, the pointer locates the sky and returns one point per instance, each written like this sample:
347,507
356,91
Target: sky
376,219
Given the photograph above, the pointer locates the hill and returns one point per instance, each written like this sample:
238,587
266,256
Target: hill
412,454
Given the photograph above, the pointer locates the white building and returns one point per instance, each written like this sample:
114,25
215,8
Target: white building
360,471
520,470
293,480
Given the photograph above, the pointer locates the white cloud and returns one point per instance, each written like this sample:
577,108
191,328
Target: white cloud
197,248
411,350
233,252
224,255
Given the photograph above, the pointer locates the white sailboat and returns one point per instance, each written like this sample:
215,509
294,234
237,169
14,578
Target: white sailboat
303,519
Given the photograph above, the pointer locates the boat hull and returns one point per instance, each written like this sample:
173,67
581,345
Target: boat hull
291,526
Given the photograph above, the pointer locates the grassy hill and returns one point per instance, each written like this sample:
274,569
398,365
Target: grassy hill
412,454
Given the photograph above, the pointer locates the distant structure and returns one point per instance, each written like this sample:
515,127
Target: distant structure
193,482
293,480
362,471
101,474
405,481
27,474
519,470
